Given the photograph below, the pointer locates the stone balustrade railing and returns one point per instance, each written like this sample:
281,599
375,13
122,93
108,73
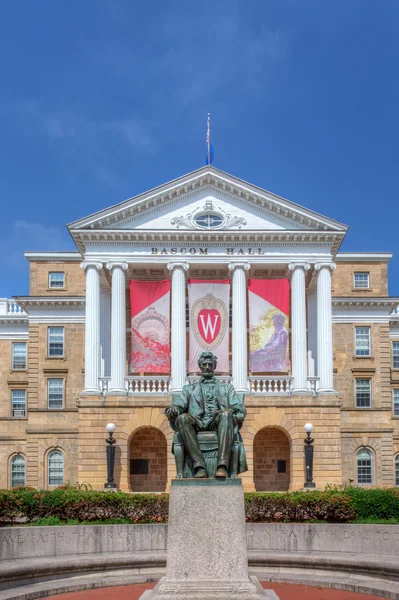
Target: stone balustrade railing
9,307
270,385
157,385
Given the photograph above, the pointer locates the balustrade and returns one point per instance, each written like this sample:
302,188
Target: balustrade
9,307
270,385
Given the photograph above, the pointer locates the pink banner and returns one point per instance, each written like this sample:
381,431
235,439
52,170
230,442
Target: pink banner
269,309
209,321
150,311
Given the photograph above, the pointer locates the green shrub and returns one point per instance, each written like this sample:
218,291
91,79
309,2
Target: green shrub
376,503
298,507
73,505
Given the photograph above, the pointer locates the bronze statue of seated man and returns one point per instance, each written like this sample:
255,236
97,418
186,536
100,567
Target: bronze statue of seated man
208,405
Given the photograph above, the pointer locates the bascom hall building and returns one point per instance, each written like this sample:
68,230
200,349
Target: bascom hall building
207,261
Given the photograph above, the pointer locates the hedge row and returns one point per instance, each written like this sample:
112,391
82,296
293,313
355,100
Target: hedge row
69,504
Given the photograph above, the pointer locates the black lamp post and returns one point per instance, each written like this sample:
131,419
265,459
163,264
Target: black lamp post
309,456
110,457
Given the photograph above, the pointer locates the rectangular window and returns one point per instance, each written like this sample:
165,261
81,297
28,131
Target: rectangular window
363,341
363,393
395,355
396,402
55,393
56,280
362,280
56,341
19,356
18,402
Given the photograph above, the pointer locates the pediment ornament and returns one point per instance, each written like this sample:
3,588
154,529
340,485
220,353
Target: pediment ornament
209,218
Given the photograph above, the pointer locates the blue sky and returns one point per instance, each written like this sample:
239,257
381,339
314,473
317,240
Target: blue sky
103,99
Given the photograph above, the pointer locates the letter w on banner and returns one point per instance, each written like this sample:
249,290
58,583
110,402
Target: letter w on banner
209,321
150,311
269,310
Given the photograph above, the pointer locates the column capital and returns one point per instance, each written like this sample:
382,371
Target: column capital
121,265
85,265
174,265
299,265
329,265
235,265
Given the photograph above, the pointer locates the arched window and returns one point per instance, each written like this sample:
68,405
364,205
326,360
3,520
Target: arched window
55,468
18,470
364,460
397,469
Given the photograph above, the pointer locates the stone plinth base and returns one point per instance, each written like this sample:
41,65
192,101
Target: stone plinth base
207,549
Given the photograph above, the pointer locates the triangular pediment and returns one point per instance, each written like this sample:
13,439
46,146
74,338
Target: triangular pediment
186,203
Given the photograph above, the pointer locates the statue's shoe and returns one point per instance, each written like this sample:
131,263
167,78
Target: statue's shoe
221,473
201,474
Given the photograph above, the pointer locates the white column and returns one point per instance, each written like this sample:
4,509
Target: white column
312,332
298,327
178,326
118,328
324,327
239,344
105,332
92,327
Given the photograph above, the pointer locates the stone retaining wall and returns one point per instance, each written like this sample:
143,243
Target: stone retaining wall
37,560
28,542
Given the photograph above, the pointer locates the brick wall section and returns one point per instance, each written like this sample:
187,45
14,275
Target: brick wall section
9,379
75,283
271,445
69,367
33,366
347,366
343,284
149,443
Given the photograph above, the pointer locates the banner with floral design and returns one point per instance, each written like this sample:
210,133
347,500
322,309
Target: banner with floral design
269,311
150,313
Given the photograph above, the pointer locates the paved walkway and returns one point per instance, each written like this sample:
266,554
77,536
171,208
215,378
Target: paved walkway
285,591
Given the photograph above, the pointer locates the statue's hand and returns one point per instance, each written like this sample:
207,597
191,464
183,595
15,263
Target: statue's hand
172,412
240,416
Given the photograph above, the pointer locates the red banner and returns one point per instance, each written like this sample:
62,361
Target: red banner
269,309
150,312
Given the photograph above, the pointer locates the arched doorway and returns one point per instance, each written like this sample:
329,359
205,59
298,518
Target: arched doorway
271,460
148,463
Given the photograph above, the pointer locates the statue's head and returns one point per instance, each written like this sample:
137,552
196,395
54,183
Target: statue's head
207,363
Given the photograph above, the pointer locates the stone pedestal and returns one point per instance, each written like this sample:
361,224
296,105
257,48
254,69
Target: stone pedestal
206,548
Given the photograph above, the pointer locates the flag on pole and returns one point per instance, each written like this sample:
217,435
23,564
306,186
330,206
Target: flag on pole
209,147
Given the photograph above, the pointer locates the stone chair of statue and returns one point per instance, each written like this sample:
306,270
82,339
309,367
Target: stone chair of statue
208,443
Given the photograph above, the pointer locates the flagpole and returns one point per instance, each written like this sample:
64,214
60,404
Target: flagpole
208,137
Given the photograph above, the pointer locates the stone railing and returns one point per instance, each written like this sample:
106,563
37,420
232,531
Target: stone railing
270,385
313,384
38,562
136,385
10,308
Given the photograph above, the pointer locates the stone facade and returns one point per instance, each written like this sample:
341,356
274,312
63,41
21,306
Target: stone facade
273,429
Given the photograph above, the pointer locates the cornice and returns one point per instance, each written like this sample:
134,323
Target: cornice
49,301
87,237
363,257
50,256
356,302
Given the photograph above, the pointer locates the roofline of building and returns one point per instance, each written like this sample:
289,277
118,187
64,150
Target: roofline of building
363,256
48,256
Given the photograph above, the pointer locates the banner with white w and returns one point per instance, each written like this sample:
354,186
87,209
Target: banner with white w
209,321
